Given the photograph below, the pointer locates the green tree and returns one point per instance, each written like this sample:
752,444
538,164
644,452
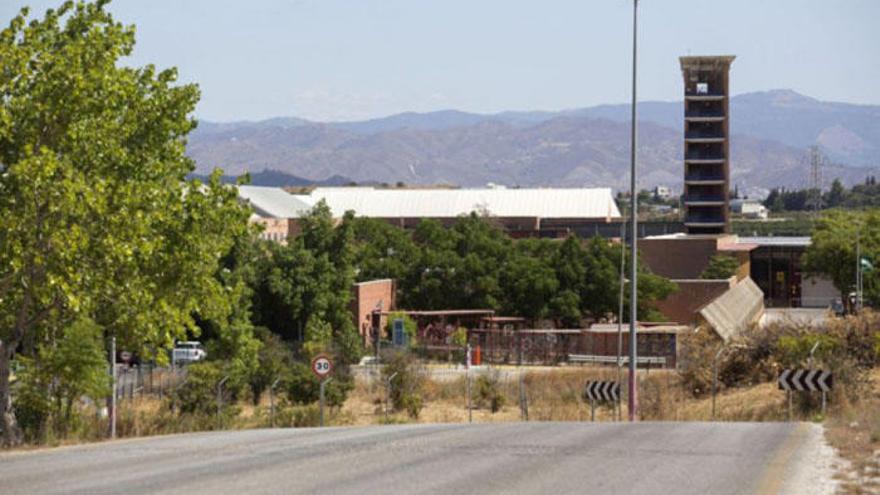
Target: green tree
721,266
310,279
97,217
568,261
832,252
382,250
836,195
529,285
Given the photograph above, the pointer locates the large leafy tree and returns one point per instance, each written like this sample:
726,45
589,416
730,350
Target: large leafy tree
96,215
307,286
832,252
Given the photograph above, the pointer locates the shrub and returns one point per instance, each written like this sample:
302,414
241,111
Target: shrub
303,387
720,267
697,349
274,357
407,384
198,393
298,416
489,392
32,405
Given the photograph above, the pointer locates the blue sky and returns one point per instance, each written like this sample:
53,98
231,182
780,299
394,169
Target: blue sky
355,59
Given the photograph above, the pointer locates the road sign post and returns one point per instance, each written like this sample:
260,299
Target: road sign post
322,367
600,391
322,387
800,380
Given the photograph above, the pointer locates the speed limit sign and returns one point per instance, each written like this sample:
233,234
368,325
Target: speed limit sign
322,366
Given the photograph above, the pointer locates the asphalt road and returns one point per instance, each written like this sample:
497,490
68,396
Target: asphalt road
539,458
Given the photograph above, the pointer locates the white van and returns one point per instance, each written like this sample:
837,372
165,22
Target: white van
187,352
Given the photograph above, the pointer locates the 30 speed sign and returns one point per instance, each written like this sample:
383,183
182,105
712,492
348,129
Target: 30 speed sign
322,366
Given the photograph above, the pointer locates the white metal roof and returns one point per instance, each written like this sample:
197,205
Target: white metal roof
795,241
450,203
273,202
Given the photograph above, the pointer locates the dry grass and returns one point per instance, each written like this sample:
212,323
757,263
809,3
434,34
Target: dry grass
855,432
557,396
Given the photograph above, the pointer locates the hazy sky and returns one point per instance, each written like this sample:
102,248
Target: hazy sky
354,59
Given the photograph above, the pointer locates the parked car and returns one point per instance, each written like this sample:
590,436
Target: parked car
188,352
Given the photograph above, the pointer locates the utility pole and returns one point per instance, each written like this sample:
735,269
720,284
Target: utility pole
634,214
620,306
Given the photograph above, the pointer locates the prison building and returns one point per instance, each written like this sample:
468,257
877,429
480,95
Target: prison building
706,143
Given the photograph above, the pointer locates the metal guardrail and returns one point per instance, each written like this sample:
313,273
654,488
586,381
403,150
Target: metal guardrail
588,358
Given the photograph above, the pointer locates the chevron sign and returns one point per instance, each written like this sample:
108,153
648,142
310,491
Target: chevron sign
602,391
805,380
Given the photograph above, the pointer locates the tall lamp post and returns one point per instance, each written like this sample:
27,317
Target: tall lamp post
633,402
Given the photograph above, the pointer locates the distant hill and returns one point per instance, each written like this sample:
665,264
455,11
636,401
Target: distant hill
586,146
275,178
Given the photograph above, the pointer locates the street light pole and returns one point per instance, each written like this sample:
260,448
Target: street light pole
634,201
620,307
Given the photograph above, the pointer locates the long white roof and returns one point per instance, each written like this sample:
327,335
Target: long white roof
273,202
449,203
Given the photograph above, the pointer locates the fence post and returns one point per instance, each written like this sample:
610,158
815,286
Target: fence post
470,413
523,400
388,394
272,402
789,404
592,410
220,399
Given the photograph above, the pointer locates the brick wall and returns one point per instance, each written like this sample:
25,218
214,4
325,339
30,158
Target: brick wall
678,257
367,296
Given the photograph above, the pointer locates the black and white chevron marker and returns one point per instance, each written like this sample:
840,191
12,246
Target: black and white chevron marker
602,391
805,380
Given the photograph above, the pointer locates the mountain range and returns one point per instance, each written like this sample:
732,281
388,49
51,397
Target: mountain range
770,134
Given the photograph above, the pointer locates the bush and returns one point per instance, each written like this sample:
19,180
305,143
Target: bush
720,267
298,416
697,349
489,392
407,384
303,387
274,358
32,405
198,393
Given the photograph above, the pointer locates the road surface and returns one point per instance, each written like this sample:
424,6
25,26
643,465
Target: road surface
539,458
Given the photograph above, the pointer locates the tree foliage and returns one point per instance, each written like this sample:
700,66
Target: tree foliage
721,266
97,216
832,251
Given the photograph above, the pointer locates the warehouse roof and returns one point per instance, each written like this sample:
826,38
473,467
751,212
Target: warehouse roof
450,203
273,202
